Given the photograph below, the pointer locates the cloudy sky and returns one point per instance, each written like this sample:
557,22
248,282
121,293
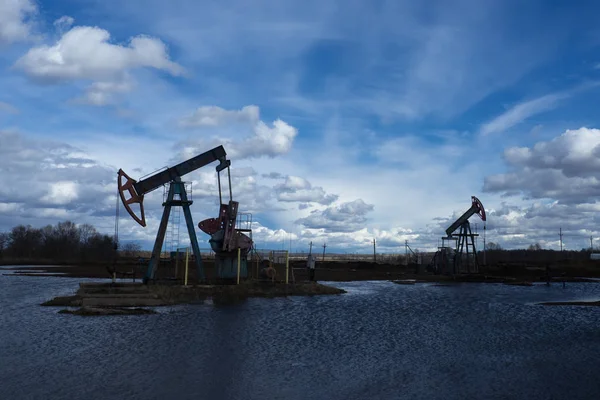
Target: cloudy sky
346,121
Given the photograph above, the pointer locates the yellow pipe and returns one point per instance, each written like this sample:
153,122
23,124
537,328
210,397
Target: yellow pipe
287,267
187,250
239,264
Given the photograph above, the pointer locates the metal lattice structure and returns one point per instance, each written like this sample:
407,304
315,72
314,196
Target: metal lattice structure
172,234
462,257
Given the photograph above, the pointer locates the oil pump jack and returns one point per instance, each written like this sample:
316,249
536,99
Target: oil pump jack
177,196
459,259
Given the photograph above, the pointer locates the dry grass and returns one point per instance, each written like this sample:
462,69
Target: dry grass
64,301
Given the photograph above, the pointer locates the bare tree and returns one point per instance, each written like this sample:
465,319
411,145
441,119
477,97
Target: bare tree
3,242
535,247
86,232
132,249
25,241
493,246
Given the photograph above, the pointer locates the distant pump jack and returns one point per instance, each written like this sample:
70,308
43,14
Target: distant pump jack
458,259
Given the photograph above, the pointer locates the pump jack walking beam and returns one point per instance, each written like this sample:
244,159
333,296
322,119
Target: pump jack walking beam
137,190
476,208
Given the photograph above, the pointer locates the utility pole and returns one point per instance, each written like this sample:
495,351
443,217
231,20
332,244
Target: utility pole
560,235
406,252
324,246
310,249
591,243
484,244
374,252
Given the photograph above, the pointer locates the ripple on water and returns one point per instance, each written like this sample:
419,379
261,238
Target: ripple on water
380,340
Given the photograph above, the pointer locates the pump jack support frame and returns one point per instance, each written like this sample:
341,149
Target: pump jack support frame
466,239
176,188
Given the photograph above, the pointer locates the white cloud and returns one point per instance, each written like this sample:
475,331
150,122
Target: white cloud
567,169
262,141
61,193
293,183
15,20
84,52
297,189
541,222
6,208
360,240
7,108
521,112
267,141
57,175
63,23
212,116
345,217
103,93
273,175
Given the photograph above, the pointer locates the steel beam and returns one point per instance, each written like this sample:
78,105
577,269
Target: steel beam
149,184
160,237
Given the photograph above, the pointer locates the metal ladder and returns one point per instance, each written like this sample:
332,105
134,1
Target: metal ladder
172,234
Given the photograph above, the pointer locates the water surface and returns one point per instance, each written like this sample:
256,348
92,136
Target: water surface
379,341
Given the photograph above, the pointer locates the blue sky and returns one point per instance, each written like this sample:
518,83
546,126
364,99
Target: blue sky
380,118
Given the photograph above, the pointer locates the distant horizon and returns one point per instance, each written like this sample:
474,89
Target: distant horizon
317,248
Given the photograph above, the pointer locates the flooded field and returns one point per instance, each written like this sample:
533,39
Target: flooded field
380,340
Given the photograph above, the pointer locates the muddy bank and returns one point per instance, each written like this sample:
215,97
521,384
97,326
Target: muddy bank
333,271
120,298
97,311
489,279
326,271
571,303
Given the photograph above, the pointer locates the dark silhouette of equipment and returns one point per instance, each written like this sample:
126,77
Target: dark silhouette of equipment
177,196
230,244
462,257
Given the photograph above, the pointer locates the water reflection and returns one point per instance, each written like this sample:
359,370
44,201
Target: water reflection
381,340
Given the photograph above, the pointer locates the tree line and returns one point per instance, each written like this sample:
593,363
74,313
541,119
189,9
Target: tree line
535,253
63,242
491,246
